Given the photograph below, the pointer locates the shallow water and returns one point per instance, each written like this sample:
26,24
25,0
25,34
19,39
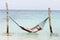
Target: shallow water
29,19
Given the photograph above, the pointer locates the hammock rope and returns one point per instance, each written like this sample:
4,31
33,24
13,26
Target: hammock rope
42,24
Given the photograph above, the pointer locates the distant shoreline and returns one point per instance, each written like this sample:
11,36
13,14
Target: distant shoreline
33,10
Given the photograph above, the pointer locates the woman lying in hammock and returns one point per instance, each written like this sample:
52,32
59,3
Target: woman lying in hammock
31,30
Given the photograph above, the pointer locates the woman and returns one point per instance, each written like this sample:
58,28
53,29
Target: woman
33,30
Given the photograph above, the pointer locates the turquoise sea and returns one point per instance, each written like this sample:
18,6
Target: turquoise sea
29,18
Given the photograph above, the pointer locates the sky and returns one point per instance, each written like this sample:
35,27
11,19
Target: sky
31,4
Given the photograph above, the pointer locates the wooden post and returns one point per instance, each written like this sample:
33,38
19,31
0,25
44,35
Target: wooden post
7,31
49,12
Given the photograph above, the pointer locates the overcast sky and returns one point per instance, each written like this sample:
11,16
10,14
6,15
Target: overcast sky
31,4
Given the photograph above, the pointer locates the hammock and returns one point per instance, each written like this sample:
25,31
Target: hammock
40,24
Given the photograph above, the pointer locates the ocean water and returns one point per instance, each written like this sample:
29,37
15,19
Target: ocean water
29,18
